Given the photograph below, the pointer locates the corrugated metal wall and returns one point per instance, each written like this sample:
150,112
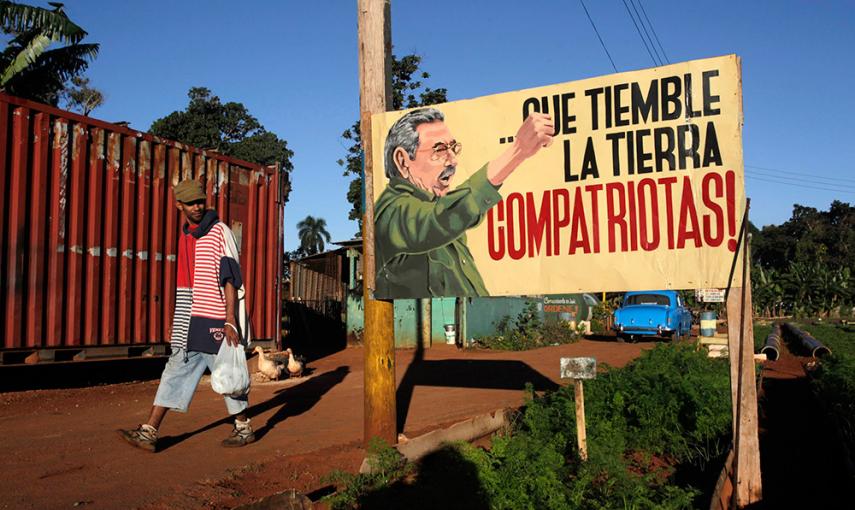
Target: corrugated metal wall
89,229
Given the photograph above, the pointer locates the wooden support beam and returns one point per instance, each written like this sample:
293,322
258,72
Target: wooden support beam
748,488
375,93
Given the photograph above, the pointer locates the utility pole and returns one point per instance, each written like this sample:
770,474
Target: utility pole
375,93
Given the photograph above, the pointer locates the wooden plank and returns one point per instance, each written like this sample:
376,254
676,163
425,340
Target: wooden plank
748,485
38,219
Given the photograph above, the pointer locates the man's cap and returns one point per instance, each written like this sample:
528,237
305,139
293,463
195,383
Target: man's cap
189,190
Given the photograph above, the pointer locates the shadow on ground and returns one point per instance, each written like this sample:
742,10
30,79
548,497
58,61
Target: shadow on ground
292,401
469,373
445,479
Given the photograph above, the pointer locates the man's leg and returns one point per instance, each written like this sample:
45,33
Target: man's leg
241,434
175,391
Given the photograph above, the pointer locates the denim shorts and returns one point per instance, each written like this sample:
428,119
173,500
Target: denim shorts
181,377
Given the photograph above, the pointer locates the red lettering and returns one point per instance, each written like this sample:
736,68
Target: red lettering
595,217
559,220
688,214
667,182
652,242
717,213
496,252
633,224
615,219
516,251
579,230
537,224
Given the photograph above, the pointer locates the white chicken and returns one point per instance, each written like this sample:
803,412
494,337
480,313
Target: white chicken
296,364
267,366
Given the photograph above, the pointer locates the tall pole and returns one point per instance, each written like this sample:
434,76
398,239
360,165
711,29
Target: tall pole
375,93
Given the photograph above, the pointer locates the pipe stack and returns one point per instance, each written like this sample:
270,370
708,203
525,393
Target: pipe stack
810,343
772,349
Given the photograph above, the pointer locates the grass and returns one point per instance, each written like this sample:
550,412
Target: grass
657,431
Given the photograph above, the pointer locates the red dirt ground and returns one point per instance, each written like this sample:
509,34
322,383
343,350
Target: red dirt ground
60,448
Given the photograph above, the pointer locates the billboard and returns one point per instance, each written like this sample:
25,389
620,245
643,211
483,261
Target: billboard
630,181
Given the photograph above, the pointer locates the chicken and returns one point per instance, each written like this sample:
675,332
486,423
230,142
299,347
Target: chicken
267,366
296,364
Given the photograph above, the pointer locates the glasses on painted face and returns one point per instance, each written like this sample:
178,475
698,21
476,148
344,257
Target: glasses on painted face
441,150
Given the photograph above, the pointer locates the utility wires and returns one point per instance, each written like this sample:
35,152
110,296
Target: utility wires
598,35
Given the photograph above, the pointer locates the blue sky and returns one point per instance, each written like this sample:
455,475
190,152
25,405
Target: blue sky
294,65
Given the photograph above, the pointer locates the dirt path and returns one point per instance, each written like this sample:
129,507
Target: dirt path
60,448
797,450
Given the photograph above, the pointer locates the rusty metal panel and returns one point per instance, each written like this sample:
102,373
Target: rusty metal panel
89,229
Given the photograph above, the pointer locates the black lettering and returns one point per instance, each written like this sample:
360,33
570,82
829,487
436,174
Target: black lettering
664,153
566,118
530,105
589,164
639,151
671,97
689,112
712,154
608,107
641,106
709,99
595,119
620,110
630,160
688,152
568,172
615,139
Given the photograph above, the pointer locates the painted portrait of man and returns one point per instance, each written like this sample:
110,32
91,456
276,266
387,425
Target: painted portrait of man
421,218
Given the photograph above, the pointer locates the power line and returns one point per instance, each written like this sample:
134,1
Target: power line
643,40
598,35
797,179
654,31
777,170
799,185
643,27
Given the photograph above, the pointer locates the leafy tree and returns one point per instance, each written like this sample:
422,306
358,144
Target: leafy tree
228,128
82,97
805,266
29,68
312,233
408,91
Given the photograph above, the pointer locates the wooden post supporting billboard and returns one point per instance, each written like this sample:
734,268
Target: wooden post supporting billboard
740,333
375,92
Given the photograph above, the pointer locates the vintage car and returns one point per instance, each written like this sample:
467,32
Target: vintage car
652,313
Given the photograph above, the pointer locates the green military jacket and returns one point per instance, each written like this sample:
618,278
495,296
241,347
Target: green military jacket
420,239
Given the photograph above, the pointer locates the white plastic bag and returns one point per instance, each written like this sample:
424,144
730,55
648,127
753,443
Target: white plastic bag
230,375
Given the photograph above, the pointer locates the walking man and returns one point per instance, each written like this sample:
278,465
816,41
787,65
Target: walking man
209,309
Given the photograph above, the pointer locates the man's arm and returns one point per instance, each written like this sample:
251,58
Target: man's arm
230,293
535,132
407,224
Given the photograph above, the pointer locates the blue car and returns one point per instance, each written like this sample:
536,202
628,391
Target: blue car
653,313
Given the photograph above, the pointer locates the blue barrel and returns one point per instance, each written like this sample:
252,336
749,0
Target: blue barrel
708,323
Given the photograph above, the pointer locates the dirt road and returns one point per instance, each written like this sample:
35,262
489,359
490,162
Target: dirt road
60,449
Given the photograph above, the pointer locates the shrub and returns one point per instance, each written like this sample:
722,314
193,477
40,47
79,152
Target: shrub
528,331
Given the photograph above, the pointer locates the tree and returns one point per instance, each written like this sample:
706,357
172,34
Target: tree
81,97
30,69
312,233
227,128
407,92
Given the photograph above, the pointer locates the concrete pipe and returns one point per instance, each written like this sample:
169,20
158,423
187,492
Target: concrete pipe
772,349
810,343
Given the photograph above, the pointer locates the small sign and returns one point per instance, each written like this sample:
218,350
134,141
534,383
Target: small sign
578,368
710,295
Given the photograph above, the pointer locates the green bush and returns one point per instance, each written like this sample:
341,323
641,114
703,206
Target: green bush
666,411
528,331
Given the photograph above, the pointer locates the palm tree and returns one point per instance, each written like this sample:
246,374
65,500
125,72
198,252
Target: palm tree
29,69
312,233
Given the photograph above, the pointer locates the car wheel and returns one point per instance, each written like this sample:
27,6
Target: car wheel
620,338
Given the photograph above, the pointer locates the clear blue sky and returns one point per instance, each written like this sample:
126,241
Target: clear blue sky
294,65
